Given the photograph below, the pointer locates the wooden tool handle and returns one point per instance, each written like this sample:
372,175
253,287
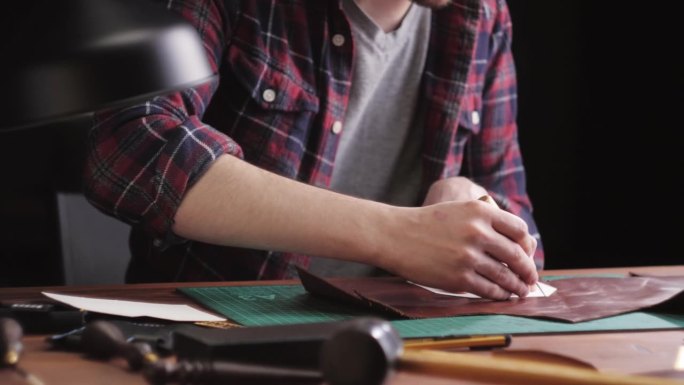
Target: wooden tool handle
488,199
499,370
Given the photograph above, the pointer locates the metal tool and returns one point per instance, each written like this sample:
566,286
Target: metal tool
11,349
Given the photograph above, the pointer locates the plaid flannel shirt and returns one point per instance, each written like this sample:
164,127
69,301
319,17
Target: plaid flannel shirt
283,86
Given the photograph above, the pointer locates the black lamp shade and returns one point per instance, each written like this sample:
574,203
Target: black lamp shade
69,57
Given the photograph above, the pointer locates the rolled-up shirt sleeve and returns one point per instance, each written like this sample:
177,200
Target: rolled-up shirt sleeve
142,159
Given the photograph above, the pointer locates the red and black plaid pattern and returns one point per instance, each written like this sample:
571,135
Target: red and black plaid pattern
283,85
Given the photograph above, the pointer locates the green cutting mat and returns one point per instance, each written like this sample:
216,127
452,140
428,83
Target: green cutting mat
290,304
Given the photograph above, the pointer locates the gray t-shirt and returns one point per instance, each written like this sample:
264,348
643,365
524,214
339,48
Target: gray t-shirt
378,157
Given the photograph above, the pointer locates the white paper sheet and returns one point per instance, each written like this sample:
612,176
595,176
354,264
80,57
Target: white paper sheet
541,289
183,313
679,361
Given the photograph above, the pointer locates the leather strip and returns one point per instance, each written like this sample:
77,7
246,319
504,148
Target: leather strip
576,300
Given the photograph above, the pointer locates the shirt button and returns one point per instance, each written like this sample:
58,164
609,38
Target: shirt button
338,40
269,95
475,117
337,127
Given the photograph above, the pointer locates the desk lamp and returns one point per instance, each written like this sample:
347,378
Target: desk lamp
66,58
62,60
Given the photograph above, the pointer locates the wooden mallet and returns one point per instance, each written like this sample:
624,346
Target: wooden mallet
368,351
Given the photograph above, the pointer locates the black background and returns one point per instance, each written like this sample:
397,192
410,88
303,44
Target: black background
601,87
600,114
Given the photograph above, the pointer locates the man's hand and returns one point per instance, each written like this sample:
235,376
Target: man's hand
480,270
464,246
455,189
451,245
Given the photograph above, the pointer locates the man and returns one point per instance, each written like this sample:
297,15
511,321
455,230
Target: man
387,102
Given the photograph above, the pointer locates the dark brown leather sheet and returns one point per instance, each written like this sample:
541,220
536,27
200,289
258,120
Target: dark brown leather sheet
577,299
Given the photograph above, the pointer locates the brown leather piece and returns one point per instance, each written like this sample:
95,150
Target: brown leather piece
577,299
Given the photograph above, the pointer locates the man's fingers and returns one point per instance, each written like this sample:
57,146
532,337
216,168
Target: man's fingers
503,250
515,229
509,225
501,275
529,244
485,288
512,226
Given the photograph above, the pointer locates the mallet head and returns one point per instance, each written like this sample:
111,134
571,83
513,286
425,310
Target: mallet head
363,353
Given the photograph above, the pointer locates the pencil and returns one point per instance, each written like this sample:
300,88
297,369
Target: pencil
454,342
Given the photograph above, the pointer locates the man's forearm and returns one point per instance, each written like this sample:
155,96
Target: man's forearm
452,245
238,204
